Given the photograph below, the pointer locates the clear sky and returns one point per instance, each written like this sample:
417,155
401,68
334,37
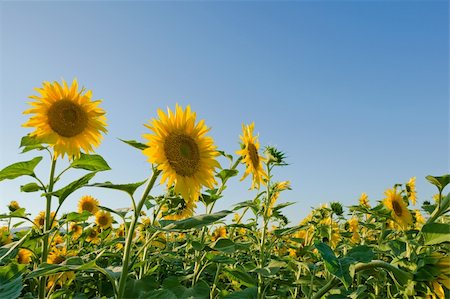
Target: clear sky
354,92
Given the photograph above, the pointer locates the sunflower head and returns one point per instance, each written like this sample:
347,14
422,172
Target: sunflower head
103,219
76,230
177,208
182,151
88,203
220,232
13,206
39,221
251,157
411,190
5,236
66,118
92,235
364,200
399,210
24,256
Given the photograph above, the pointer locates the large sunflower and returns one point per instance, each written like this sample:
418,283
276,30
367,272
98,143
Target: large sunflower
399,210
251,157
66,119
182,151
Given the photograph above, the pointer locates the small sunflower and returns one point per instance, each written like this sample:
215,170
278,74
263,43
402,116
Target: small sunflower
334,236
177,208
24,256
39,221
88,203
103,219
182,151
120,231
275,193
363,200
13,206
251,157
220,232
66,119
411,189
353,224
76,230
92,235
5,236
420,220
399,210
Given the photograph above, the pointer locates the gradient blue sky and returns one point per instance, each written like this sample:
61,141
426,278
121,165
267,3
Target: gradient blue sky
355,93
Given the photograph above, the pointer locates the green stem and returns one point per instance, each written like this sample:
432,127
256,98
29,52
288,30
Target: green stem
128,243
216,278
262,257
47,227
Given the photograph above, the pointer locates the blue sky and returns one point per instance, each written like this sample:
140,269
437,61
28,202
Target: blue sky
355,93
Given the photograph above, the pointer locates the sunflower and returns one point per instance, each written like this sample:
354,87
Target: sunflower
88,203
363,200
420,220
92,235
24,256
220,232
39,221
57,256
182,151
76,230
334,235
411,189
275,193
13,206
353,224
103,219
399,210
5,236
177,208
66,119
251,157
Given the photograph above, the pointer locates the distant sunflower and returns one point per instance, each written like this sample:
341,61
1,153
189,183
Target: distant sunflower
103,219
363,200
178,208
251,157
88,203
57,256
182,151
399,210
76,230
24,256
39,221
13,206
66,119
275,193
220,232
5,236
92,235
411,189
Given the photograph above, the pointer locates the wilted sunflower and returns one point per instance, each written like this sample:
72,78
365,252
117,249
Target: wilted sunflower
66,118
251,157
103,219
399,210
182,151
88,203
24,256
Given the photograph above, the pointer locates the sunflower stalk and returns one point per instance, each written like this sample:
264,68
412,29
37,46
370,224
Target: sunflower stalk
128,243
47,226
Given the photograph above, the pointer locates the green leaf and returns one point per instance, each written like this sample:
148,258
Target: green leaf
362,253
11,281
242,276
140,288
221,259
337,267
249,293
18,169
30,187
30,143
225,245
436,233
63,193
197,221
90,162
439,181
128,188
225,174
77,217
135,144
199,291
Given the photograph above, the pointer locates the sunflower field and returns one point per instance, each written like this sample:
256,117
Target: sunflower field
160,247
